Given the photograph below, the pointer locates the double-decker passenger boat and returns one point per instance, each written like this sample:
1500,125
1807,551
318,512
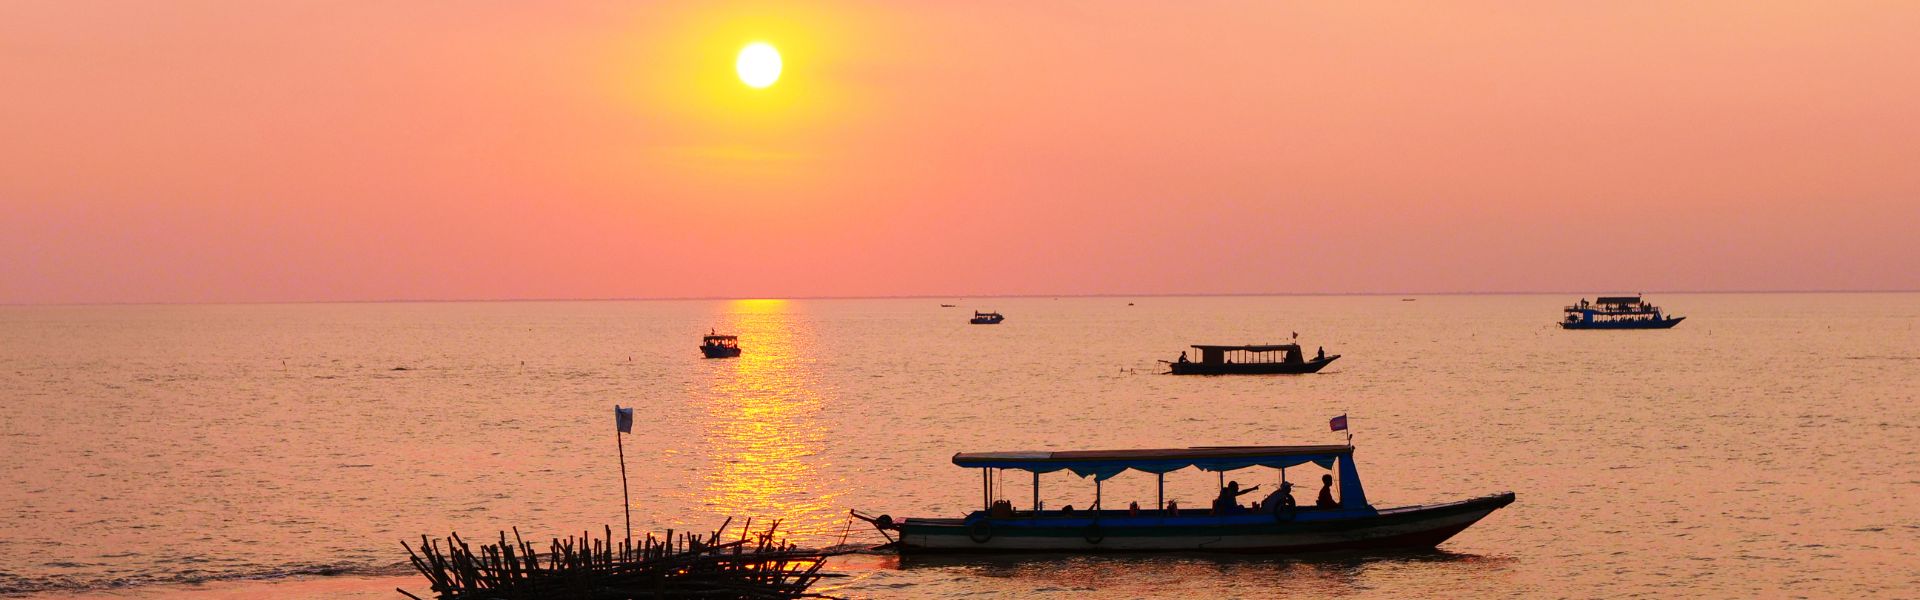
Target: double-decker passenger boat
1250,360
1617,312
987,318
1346,521
714,345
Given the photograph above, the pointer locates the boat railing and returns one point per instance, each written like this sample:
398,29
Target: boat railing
1144,513
1603,309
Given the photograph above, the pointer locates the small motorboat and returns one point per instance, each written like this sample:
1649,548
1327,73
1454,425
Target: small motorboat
714,345
1273,359
946,306
988,318
1344,520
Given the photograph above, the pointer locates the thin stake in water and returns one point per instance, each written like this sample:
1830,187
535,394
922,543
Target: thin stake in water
623,423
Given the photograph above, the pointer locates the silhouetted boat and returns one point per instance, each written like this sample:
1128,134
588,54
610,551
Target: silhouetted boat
1349,522
720,346
946,306
1250,360
1617,312
991,318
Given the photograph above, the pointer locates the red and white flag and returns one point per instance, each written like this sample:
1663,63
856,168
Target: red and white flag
1338,423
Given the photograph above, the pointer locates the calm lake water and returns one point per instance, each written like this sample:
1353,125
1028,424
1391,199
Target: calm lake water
1765,447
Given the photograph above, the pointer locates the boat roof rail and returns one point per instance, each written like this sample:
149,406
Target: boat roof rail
1103,464
1249,348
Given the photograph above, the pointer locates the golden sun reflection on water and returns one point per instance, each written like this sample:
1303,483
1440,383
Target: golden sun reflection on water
762,431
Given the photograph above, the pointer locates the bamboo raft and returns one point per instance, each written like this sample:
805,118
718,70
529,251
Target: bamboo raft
756,565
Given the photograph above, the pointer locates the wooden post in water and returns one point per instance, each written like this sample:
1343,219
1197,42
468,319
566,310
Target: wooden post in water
622,423
626,504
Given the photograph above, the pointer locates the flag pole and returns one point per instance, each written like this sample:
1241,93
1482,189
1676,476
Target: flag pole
626,504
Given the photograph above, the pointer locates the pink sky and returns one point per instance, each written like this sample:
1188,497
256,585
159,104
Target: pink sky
263,151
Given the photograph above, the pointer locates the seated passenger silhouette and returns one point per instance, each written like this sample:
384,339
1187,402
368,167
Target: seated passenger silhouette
1280,498
1229,500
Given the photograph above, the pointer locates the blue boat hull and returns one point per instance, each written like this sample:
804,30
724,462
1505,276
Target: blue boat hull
1309,530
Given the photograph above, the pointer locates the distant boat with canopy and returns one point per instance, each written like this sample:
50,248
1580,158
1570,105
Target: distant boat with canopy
1617,312
714,345
1269,359
1277,524
986,318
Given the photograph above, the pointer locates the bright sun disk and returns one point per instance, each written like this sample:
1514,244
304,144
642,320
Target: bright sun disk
758,65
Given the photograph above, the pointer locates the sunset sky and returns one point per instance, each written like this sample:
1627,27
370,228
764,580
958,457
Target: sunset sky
211,151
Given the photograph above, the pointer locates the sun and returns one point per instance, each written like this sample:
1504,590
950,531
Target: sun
758,65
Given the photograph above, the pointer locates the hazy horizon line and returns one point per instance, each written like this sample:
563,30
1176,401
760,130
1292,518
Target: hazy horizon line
949,297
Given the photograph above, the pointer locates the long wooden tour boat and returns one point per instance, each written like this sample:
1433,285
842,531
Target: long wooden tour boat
1345,522
1273,359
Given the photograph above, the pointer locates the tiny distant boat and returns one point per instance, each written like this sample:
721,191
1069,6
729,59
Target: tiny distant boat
1617,312
946,306
1408,299
720,346
1276,359
990,318
1345,521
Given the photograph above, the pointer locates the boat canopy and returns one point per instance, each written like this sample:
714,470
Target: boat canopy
1617,300
718,338
1251,348
1104,464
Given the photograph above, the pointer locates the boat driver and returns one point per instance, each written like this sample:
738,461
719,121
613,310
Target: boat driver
1282,497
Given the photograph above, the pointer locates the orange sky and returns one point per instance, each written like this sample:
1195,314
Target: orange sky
260,151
